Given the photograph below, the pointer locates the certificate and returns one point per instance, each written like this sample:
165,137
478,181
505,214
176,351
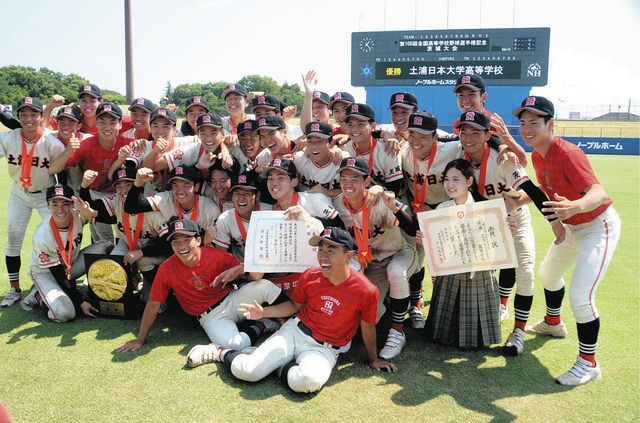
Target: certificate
276,245
467,238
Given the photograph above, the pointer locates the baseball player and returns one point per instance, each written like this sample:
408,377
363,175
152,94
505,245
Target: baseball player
315,107
97,153
219,185
89,98
56,246
267,105
329,303
383,252
141,240
385,168
194,108
141,110
201,279
338,105
401,104
203,153
69,120
235,101
163,127
29,152
232,225
248,151
317,172
592,229
182,201
498,181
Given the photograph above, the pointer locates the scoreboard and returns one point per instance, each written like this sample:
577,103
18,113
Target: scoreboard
513,56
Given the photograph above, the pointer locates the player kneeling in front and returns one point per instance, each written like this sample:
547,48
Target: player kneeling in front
329,301
56,245
199,277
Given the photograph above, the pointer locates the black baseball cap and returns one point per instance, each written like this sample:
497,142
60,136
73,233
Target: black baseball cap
318,129
335,236
360,111
209,119
109,108
31,102
475,119
143,103
248,125
244,180
90,89
197,101
126,174
473,81
405,100
535,104
322,97
267,101
188,173
232,170
423,122
60,191
72,112
270,122
357,164
234,88
184,227
341,96
283,165
165,113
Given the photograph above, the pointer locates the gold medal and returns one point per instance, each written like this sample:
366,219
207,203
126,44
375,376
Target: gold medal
107,279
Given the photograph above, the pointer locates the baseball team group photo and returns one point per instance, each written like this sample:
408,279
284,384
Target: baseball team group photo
441,237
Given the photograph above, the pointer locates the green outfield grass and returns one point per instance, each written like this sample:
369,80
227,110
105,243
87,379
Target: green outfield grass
70,372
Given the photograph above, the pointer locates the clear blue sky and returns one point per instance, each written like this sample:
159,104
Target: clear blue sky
594,44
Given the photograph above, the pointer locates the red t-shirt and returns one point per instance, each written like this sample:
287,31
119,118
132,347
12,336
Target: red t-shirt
92,155
486,113
191,284
127,123
333,312
565,170
337,130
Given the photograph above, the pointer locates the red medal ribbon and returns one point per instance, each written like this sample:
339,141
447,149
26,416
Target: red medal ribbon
372,147
65,254
194,210
362,236
420,194
294,201
243,231
132,241
27,160
483,168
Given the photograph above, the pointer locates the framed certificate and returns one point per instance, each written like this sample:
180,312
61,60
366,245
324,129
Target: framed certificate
467,238
276,245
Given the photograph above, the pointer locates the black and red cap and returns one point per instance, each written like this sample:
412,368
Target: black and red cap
318,129
322,97
91,89
334,236
404,100
247,125
72,112
283,165
109,108
360,111
144,104
60,191
266,101
209,119
357,164
475,119
472,81
234,88
422,122
187,173
165,113
30,102
246,180
183,227
341,97
197,101
270,122
126,174
535,104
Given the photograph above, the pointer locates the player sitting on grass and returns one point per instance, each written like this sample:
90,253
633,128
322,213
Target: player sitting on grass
329,303
56,246
202,281
29,152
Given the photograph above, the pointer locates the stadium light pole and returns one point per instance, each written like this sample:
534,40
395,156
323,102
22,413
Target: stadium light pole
128,48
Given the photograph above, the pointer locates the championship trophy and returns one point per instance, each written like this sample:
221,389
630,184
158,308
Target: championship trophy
111,288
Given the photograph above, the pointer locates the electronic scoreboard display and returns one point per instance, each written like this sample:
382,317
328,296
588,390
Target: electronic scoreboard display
514,56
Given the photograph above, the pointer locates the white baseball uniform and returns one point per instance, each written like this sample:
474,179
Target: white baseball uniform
310,174
204,214
384,167
228,232
262,159
318,205
230,127
21,203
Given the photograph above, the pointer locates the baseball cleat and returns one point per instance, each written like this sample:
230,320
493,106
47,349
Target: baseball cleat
270,325
543,328
29,302
11,297
515,343
417,318
582,372
395,341
203,354
504,312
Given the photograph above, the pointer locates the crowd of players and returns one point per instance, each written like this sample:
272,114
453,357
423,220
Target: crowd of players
181,200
